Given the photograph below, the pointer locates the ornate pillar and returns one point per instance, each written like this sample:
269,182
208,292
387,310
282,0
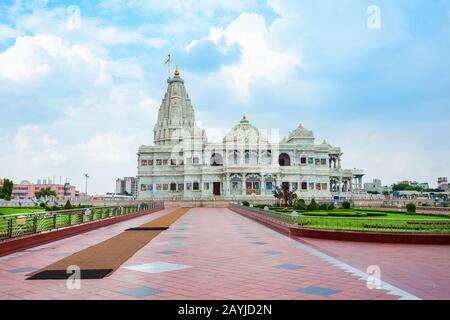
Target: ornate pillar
226,186
263,185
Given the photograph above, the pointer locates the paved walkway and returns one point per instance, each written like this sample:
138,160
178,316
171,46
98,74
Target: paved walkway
207,254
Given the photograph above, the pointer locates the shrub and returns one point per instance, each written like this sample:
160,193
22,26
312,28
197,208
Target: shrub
346,205
245,203
68,205
323,206
313,206
331,206
376,214
411,208
300,205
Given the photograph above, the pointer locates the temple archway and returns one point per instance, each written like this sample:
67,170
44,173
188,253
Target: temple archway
216,160
284,160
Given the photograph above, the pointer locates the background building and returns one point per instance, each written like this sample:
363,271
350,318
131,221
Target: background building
127,185
443,184
376,187
423,185
27,190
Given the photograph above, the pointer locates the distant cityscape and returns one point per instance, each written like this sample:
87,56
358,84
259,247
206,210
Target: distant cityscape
128,187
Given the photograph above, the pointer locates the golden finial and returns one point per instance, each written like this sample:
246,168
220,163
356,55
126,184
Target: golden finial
177,72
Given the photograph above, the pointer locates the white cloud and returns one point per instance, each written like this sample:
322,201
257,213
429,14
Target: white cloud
387,154
8,33
33,60
259,60
95,33
101,122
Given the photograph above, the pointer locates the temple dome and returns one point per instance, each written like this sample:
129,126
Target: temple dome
246,133
300,135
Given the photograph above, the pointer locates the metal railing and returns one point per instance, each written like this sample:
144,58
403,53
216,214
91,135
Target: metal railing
356,223
376,224
17,225
278,216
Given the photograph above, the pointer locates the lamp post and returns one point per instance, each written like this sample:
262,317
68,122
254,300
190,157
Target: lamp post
85,186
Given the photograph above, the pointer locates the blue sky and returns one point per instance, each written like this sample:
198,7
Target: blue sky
82,97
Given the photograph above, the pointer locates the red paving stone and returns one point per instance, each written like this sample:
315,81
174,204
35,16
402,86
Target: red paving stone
224,264
422,270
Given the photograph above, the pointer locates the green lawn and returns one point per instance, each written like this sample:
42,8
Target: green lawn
366,220
19,210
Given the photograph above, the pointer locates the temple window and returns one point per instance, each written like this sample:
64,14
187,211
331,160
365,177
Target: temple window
233,157
165,162
303,160
165,187
143,187
310,160
144,162
173,162
173,186
158,162
196,186
304,185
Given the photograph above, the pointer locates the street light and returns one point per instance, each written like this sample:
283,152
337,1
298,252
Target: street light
87,177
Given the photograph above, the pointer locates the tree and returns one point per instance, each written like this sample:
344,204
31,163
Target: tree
346,205
300,205
406,187
386,193
6,189
68,205
284,193
411,208
45,192
312,206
